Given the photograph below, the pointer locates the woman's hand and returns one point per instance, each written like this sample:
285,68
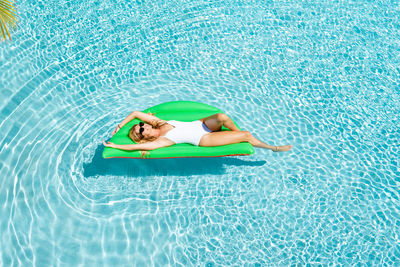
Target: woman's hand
109,144
116,130
144,154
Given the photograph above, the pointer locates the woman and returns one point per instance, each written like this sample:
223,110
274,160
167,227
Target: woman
156,133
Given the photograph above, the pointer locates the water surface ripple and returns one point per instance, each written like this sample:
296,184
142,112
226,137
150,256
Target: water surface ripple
322,76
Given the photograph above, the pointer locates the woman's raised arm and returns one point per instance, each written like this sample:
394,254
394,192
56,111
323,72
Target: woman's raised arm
146,117
136,114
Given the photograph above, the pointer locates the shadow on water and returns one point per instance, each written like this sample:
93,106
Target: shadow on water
162,167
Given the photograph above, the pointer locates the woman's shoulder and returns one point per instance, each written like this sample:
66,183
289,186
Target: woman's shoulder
172,122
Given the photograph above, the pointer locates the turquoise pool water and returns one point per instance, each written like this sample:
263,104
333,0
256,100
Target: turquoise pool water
323,76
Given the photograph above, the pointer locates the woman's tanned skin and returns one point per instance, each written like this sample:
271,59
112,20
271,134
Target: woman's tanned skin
154,129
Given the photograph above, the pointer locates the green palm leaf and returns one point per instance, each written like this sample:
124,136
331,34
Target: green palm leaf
8,18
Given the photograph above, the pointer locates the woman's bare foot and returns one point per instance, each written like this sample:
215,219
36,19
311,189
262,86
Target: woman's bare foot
282,148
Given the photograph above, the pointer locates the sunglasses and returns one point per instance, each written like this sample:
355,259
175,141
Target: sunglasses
141,129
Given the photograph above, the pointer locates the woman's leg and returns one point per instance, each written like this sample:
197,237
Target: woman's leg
216,121
233,137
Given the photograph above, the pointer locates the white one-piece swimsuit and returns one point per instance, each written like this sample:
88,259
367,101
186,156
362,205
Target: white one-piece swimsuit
187,132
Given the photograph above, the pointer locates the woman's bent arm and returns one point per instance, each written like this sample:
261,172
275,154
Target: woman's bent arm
125,121
141,116
136,114
130,117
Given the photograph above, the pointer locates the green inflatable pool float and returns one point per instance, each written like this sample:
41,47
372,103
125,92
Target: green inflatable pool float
181,111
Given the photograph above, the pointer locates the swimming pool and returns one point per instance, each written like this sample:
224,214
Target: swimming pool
322,76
